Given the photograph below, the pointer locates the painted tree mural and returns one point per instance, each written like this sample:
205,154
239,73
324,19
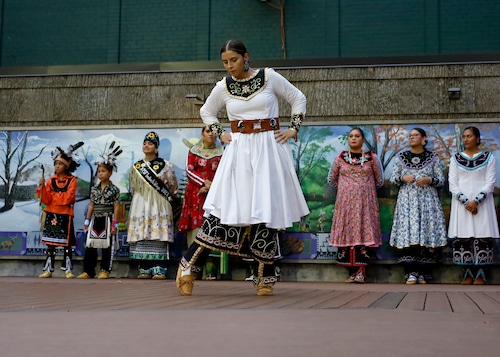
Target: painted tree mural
309,153
15,159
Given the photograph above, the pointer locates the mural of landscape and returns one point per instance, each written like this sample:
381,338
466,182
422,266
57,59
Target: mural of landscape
23,153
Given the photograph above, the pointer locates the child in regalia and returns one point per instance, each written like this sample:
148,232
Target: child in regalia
58,195
101,223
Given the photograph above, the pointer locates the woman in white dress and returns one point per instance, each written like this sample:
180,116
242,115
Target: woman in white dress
473,219
255,191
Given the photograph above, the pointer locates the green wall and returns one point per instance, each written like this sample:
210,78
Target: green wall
79,32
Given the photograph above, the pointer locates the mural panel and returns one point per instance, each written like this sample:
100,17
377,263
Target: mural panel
24,153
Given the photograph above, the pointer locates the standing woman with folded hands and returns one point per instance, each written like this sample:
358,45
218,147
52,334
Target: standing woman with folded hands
419,228
255,191
356,174
473,218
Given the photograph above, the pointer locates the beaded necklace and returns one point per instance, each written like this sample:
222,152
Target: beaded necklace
354,161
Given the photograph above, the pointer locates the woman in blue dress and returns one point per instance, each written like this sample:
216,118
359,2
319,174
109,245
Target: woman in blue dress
419,226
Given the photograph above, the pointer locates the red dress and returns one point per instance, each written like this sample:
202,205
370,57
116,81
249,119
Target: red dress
201,165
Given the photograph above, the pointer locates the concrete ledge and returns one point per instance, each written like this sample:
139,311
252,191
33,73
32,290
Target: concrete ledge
300,270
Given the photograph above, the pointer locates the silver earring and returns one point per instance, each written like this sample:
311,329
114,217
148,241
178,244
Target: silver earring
246,66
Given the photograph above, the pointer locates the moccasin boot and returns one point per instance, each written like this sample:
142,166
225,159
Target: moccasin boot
468,278
103,274
46,274
467,281
184,283
480,278
83,275
479,281
264,290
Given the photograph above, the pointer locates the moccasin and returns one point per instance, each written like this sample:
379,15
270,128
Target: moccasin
184,283
264,290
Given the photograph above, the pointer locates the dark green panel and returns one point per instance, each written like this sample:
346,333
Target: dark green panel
81,32
470,26
382,28
312,28
431,25
113,31
163,31
254,22
54,32
1,30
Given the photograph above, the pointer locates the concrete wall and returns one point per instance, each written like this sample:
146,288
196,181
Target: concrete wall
365,94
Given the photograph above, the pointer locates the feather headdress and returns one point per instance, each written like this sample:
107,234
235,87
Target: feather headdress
69,157
109,156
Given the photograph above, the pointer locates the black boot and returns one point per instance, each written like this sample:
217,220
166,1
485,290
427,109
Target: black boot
67,266
49,263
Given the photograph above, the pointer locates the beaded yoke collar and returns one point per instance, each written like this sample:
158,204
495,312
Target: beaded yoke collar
472,163
206,153
417,161
248,88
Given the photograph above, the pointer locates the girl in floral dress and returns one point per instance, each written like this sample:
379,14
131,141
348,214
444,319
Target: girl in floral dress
356,221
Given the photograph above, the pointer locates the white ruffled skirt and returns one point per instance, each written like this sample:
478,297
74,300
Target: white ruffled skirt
256,183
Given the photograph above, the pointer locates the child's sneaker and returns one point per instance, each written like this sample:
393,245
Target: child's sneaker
159,273
412,279
359,278
351,278
144,274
